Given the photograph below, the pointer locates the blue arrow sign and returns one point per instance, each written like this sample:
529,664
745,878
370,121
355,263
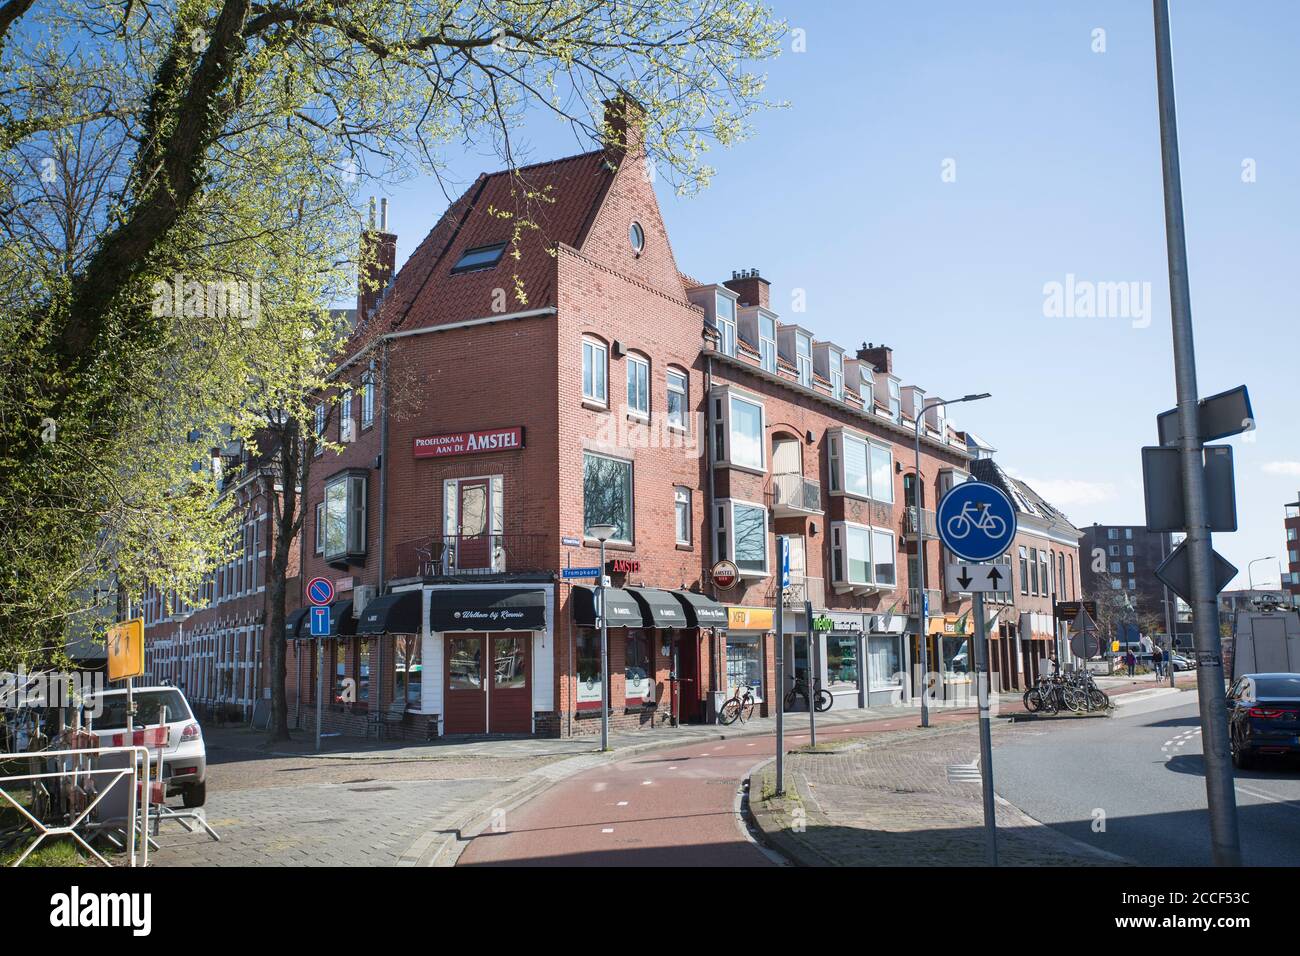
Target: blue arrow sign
785,561
579,572
320,621
977,521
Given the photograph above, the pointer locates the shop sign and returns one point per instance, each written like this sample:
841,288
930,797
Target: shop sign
725,574
469,443
823,623
749,618
622,566
839,621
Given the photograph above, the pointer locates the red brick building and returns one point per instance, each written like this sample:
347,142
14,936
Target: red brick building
213,644
540,366
1291,528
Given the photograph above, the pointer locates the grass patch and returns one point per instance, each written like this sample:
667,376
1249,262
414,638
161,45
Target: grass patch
51,852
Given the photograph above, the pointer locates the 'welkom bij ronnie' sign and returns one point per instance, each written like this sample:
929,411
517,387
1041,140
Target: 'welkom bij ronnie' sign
470,443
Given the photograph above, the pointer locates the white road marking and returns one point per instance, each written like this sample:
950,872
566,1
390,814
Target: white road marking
599,786
622,803
646,783
607,830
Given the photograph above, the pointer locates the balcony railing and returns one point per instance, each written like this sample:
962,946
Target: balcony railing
801,589
913,524
473,556
795,494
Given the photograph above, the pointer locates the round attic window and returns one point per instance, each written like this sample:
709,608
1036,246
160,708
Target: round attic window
636,237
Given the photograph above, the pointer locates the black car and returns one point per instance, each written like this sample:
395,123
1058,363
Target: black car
1263,717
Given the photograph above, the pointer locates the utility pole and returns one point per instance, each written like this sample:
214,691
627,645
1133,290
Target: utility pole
1219,792
982,690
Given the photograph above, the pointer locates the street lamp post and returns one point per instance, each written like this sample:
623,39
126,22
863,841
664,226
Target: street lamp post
923,612
602,533
1250,568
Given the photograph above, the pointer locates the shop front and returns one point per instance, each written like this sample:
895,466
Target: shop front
487,654
886,664
841,651
749,649
706,623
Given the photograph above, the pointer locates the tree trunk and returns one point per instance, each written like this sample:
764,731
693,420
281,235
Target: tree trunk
286,524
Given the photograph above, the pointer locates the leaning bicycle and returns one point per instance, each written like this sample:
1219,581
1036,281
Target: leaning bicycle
739,705
822,698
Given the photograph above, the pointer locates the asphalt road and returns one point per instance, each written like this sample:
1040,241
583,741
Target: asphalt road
1141,775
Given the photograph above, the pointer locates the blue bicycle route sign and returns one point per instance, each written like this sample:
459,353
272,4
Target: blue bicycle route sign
977,522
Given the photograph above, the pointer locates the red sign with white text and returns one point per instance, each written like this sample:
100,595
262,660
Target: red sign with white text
469,443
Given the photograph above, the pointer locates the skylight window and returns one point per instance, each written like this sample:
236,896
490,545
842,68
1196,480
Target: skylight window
484,257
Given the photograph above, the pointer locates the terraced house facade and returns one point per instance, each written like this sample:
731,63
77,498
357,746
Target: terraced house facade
511,388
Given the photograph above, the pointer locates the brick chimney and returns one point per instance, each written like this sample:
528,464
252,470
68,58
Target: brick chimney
752,288
880,357
377,263
624,119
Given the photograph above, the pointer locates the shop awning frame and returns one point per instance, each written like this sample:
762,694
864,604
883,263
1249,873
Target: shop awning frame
623,610
701,610
471,608
398,613
659,607
295,625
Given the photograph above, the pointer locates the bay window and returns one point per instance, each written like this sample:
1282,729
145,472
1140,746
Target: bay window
862,556
862,468
345,516
739,429
742,535
607,494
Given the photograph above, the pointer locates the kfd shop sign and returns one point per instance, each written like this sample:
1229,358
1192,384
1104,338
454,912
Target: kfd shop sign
469,443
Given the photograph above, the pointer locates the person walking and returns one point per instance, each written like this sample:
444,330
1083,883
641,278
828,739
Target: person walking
1131,660
1158,660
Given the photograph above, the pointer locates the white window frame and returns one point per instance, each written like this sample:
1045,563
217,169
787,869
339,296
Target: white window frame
767,344
725,422
840,535
638,376
839,437
318,425
727,533
895,390
803,360
837,375
679,383
354,504
725,325
596,348
682,531
368,396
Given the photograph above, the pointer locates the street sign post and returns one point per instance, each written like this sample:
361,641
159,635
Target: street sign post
783,548
1175,572
1219,416
977,522
976,577
320,592
1162,484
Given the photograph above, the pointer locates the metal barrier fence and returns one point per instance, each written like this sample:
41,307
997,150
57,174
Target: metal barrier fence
136,820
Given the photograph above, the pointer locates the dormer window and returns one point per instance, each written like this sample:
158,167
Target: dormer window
803,358
767,343
481,257
895,401
725,320
837,376
866,387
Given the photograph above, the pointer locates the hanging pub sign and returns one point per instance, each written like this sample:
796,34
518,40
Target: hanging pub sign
469,443
725,574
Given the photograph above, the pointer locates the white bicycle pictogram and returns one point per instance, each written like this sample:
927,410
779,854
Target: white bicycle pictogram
960,524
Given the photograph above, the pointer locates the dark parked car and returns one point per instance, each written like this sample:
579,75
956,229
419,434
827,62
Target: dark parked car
1263,716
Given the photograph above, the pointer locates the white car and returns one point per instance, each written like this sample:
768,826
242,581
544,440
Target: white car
185,759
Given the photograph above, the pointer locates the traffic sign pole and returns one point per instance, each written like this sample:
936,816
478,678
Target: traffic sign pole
1219,791
783,549
986,739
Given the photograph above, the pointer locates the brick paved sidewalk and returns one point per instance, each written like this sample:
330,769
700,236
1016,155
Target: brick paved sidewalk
909,799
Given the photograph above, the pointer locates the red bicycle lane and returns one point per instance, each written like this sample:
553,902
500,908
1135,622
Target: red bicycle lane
674,806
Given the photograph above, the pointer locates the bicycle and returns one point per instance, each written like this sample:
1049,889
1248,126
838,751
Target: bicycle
740,704
822,698
984,520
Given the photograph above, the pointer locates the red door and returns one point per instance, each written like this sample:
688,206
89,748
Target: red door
465,693
473,548
510,696
688,677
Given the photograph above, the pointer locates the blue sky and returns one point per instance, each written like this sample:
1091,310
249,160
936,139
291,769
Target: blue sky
1056,156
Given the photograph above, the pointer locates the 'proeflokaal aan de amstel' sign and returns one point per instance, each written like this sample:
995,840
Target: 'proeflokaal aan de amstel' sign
470,443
